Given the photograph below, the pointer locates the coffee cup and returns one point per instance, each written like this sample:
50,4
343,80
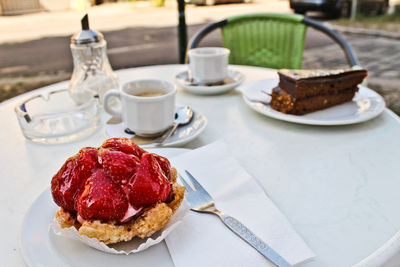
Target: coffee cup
208,65
147,106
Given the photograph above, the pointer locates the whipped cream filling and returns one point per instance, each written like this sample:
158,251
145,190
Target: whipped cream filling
80,219
130,212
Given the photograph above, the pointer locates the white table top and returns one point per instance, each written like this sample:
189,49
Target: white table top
337,185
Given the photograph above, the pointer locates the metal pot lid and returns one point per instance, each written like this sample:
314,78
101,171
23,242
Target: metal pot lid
86,36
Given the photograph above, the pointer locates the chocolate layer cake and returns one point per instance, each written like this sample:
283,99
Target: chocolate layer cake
304,91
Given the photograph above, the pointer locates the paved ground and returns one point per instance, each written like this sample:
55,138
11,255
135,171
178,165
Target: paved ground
117,16
380,56
36,52
129,47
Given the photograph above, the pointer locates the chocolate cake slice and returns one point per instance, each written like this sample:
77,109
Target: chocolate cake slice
303,91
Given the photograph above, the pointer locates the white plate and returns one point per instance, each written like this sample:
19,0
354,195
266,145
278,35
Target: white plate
366,105
234,79
184,134
41,247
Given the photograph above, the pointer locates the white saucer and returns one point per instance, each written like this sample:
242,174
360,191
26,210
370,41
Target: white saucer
234,79
41,247
366,105
184,134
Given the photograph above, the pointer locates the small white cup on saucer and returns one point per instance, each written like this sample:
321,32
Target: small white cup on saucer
208,65
147,106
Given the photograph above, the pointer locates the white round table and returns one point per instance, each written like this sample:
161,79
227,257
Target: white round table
337,185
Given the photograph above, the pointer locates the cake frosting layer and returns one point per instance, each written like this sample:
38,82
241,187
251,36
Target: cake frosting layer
305,83
304,74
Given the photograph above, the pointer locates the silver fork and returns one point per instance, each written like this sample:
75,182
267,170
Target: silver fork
201,201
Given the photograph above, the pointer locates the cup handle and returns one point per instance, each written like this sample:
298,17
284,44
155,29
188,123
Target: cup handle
108,95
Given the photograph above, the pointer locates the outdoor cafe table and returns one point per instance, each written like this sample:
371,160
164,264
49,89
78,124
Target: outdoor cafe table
338,185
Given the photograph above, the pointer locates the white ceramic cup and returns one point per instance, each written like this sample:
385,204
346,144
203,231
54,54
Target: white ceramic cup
208,64
145,115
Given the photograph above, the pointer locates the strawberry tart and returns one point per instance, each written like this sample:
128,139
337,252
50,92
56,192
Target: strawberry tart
116,192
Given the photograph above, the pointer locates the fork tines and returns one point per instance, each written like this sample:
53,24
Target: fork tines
196,184
196,190
188,187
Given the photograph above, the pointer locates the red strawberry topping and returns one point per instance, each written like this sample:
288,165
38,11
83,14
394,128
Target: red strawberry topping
164,164
64,185
102,198
149,185
113,182
124,145
69,180
118,165
87,162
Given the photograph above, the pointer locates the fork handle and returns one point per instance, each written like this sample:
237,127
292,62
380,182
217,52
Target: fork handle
248,236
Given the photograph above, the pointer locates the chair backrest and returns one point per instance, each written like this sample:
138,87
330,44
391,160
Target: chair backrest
268,39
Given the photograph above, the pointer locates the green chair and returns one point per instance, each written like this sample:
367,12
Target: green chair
269,40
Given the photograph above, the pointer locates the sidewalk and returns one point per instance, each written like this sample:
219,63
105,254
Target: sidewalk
116,16
380,56
34,48
148,31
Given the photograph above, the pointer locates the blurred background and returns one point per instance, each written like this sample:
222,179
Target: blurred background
35,36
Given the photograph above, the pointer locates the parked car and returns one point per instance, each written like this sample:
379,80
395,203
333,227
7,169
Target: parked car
339,8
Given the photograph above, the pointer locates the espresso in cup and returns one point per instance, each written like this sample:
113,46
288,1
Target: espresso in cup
147,106
150,94
208,65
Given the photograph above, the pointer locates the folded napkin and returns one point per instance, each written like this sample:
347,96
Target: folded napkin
203,240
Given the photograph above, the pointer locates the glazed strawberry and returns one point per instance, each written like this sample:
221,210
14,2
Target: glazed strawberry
149,185
65,184
124,145
87,162
118,165
102,198
164,164
70,179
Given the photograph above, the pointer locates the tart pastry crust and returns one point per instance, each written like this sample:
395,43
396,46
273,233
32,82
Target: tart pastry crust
153,219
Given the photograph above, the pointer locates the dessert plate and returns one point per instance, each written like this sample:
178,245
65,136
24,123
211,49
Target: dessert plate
366,105
183,135
41,247
234,79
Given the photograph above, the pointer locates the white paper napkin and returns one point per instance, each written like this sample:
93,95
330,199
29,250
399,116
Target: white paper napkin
203,240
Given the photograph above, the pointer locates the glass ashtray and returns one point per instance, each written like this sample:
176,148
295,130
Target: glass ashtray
54,118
